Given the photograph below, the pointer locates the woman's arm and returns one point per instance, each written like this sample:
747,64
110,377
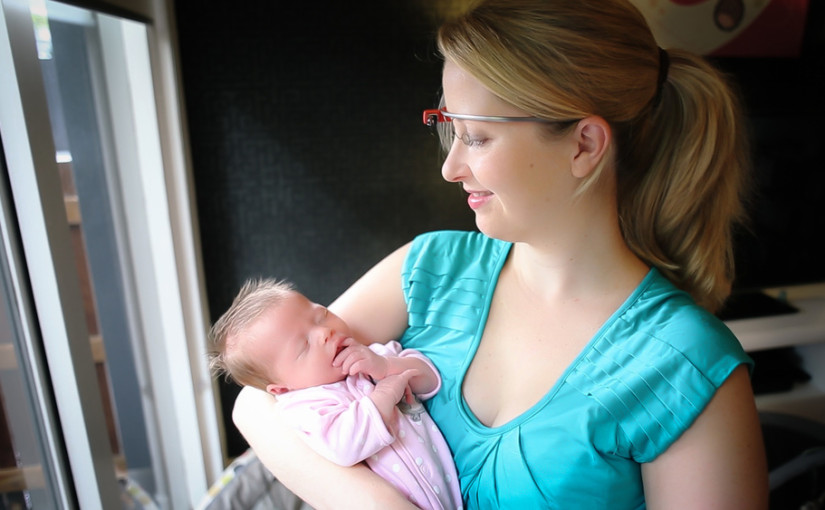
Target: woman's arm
318,481
375,311
373,307
719,462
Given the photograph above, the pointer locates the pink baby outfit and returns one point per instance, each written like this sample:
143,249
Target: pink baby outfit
341,423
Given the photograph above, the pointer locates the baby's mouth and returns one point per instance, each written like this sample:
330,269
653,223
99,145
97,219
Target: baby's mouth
339,346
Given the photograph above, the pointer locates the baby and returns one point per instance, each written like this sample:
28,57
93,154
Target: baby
350,402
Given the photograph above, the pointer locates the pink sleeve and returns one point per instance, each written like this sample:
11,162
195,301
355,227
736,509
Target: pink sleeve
336,424
394,349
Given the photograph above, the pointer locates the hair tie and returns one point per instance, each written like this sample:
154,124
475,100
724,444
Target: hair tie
664,65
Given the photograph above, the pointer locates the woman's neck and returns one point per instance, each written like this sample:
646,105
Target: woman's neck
596,262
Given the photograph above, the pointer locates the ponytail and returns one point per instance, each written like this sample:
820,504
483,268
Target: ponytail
682,172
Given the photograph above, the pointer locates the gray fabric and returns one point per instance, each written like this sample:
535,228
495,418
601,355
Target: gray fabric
248,485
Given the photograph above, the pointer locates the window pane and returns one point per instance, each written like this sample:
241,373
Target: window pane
70,59
29,461
68,42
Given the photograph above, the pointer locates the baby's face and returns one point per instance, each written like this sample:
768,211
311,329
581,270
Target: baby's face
297,339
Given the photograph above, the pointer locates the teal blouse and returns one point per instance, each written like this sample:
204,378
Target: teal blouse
633,390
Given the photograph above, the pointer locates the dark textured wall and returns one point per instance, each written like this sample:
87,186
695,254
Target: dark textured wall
310,159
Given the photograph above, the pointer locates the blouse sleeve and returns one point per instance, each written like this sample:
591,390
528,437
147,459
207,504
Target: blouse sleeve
655,381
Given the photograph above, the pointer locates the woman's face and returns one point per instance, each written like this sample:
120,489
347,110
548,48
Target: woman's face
518,178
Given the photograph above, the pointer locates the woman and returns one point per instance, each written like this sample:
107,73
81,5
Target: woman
582,367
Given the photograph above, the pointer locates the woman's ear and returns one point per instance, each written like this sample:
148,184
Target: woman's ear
593,137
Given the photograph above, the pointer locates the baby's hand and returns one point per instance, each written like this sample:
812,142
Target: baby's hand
389,391
357,358
397,386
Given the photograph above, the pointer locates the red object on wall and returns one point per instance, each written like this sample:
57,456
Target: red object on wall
776,32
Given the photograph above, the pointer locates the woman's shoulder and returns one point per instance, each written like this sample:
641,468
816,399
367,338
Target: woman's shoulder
457,255
671,317
455,245
449,276
454,239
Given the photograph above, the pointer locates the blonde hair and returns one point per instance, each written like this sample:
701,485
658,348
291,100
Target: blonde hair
254,298
680,151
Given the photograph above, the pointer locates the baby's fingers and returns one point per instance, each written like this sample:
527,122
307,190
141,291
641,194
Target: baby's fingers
356,362
345,356
409,398
356,366
347,346
410,373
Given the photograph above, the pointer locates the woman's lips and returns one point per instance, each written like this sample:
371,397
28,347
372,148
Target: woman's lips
477,199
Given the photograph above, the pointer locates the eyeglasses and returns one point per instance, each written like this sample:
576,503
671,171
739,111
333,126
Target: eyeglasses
440,123
435,117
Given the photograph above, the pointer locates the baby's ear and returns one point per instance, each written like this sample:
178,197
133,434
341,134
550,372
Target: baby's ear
276,389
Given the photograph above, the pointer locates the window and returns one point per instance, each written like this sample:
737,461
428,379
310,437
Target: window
103,294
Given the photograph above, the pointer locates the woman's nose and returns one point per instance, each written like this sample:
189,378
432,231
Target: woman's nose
453,169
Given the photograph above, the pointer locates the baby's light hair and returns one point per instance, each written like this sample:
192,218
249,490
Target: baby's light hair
227,358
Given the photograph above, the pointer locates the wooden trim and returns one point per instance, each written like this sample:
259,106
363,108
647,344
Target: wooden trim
98,351
72,209
16,479
8,360
21,479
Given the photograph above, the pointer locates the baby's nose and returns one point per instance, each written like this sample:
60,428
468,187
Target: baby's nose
323,334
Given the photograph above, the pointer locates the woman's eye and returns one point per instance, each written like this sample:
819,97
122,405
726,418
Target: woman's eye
471,141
